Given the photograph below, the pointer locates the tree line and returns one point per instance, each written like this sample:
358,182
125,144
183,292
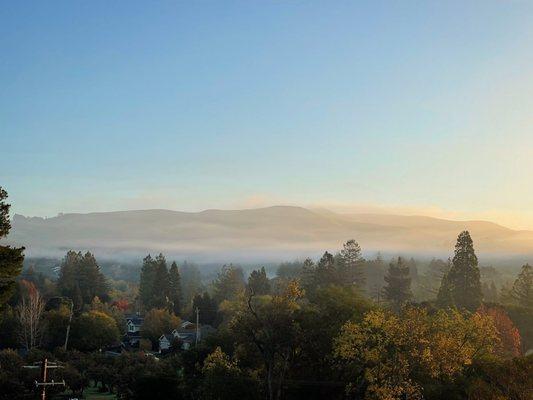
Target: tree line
316,329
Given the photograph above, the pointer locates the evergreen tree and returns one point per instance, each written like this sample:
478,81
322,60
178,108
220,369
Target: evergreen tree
461,287
207,307
398,288
351,264
522,291
146,284
326,271
175,288
258,283
375,271
80,279
308,274
229,283
11,258
161,288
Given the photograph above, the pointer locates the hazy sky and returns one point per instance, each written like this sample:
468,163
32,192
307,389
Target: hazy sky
422,107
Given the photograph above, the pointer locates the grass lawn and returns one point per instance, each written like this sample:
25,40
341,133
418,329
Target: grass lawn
91,393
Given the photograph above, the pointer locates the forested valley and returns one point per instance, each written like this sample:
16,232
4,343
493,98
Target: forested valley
339,327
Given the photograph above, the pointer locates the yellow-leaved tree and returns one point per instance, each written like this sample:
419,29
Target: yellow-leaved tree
390,354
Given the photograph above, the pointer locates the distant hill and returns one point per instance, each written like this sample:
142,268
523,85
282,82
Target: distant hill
267,233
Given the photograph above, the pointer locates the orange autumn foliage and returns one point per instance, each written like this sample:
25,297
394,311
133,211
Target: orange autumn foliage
508,334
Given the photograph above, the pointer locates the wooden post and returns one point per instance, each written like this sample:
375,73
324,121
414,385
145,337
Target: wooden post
43,378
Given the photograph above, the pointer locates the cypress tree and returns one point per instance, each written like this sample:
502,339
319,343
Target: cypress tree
461,287
175,288
11,258
398,288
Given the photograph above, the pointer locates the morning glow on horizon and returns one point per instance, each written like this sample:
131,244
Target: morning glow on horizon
411,108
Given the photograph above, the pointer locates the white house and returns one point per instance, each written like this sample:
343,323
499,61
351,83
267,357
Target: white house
134,324
165,341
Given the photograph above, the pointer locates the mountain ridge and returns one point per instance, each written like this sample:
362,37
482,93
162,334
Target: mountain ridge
277,231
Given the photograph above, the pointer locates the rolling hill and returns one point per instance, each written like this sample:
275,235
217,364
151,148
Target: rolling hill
266,233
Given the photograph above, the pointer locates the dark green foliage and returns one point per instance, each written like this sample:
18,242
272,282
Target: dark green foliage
258,282
326,271
522,291
80,279
161,288
94,330
5,224
208,309
175,288
11,383
9,328
229,283
11,258
351,265
146,285
461,287
398,288
154,288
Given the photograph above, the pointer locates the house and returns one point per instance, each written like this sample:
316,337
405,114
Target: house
165,341
134,323
133,330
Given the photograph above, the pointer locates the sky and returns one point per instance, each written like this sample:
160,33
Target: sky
411,107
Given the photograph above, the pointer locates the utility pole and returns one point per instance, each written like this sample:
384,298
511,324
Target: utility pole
45,366
197,324
69,322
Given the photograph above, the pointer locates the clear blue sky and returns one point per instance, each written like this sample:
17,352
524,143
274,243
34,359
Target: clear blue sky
216,104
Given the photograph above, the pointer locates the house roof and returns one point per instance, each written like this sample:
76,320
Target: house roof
135,320
167,336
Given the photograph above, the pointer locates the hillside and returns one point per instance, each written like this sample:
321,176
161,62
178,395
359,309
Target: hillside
271,233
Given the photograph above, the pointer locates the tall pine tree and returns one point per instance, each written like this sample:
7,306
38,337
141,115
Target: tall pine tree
398,288
352,264
175,297
326,272
146,284
461,286
258,282
161,288
11,258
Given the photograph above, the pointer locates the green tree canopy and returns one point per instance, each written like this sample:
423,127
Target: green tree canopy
229,283
175,292
352,264
157,322
11,258
258,282
81,280
94,330
522,291
398,288
461,286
